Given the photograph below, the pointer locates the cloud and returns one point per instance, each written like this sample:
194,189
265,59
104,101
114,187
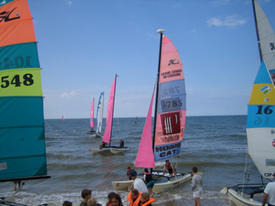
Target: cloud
68,2
68,95
229,21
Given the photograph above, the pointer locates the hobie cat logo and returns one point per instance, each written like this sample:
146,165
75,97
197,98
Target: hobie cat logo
173,62
6,16
265,89
273,143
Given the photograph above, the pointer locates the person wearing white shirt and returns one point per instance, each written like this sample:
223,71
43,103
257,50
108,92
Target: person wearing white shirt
138,183
269,193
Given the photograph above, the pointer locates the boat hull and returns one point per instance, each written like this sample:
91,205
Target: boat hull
158,186
122,185
109,150
175,182
118,150
99,135
238,199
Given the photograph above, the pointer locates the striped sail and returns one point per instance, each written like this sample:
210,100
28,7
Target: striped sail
92,115
171,109
266,39
99,113
22,139
261,123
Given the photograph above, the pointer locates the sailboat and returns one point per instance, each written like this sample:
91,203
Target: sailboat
169,121
99,115
22,133
260,126
106,146
62,118
92,131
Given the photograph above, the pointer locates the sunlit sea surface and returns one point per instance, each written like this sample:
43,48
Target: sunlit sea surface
217,145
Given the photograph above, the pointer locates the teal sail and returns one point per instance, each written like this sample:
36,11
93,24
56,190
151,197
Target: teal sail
22,134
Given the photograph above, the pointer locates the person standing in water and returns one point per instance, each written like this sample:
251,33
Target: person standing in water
269,193
196,186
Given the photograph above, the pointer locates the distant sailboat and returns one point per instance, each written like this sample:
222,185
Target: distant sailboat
62,117
169,121
22,148
99,115
260,126
109,127
92,131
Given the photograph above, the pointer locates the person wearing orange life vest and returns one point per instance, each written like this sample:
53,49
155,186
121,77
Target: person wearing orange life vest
134,197
146,200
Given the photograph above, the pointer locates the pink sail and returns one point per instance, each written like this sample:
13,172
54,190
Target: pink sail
92,115
110,112
62,117
145,155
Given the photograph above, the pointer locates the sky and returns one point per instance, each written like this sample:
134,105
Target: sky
82,44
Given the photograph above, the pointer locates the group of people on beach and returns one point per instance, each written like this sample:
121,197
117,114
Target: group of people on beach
141,193
144,187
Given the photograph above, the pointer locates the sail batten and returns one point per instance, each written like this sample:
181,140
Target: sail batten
21,99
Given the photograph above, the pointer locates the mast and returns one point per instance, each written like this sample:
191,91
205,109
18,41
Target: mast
257,31
113,110
160,31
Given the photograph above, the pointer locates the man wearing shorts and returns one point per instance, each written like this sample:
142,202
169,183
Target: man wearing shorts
196,186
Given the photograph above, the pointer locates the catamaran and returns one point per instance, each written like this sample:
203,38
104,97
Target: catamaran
99,115
106,146
260,126
169,120
22,148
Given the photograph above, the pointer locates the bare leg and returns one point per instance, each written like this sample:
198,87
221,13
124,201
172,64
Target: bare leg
150,191
197,201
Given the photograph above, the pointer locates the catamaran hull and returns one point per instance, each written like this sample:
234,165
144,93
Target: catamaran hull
161,187
123,185
92,132
119,150
102,151
99,135
110,150
158,187
238,199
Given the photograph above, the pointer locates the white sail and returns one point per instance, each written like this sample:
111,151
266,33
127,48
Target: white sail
99,112
261,123
266,39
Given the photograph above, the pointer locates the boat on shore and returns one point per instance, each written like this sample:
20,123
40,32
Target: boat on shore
260,127
169,121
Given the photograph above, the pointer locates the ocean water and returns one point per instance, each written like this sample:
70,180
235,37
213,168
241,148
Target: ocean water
217,145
